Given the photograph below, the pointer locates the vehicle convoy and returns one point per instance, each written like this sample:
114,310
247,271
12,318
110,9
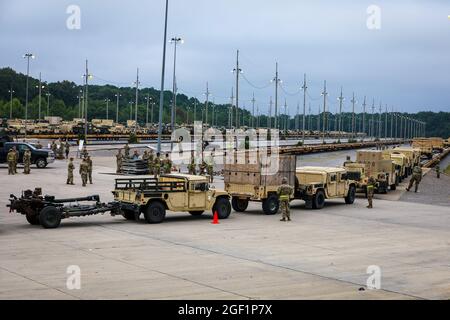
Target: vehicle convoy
412,153
40,157
247,178
48,211
370,163
175,192
316,184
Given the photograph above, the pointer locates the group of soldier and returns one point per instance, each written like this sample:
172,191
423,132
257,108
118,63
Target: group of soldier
13,158
85,170
205,167
63,151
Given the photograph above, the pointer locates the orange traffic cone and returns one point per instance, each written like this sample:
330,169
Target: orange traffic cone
215,218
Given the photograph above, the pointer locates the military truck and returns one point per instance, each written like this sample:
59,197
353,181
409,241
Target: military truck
412,153
425,145
175,192
437,143
248,178
371,163
316,184
402,163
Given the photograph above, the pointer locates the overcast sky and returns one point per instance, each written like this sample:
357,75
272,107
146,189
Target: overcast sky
405,64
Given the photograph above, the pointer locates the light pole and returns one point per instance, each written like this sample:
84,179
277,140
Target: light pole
324,94
48,103
304,87
27,56
341,100
117,95
147,99
79,105
131,109
161,93
173,115
40,87
10,101
107,100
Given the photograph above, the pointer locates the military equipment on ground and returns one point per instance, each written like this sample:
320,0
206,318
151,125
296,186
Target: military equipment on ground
248,177
134,167
370,163
48,211
316,184
175,192
425,145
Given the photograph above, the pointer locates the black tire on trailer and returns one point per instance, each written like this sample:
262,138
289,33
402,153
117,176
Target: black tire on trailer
33,219
128,214
239,205
222,207
155,212
271,204
50,217
196,213
350,198
319,199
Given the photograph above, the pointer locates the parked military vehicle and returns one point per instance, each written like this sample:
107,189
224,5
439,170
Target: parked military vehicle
247,178
403,164
175,192
437,143
370,163
425,145
316,184
413,154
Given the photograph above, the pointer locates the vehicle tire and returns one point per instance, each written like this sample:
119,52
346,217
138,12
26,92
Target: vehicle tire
50,217
223,208
128,214
239,205
271,205
41,163
196,213
350,198
393,187
33,219
319,200
155,212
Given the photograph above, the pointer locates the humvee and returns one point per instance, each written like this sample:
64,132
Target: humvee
316,184
174,192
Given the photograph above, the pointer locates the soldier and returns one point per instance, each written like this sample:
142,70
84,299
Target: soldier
135,155
70,168
210,167
67,149
127,150
84,171
38,145
145,156
26,161
167,164
84,153
416,178
285,191
119,159
438,171
16,159
54,147
61,151
11,158
202,168
150,160
89,162
191,166
370,191
348,160
157,165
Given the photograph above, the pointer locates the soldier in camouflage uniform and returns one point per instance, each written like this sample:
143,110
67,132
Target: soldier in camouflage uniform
150,160
202,168
54,147
26,161
416,178
127,150
167,164
84,153
89,162
38,145
70,168
348,160
157,165
84,171
438,171
145,155
67,149
285,191
119,159
11,158
16,159
210,167
371,184
191,165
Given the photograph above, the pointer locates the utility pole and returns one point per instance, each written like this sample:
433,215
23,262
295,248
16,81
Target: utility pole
277,80
173,116
117,95
304,87
353,116
79,104
207,93
237,70
318,120
372,124
40,92
379,121
324,93
253,111
364,116
195,110
48,103
161,93
392,124
341,100
86,77
309,117
10,101
386,123
269,121
230,110
137,99
285,115
147,98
